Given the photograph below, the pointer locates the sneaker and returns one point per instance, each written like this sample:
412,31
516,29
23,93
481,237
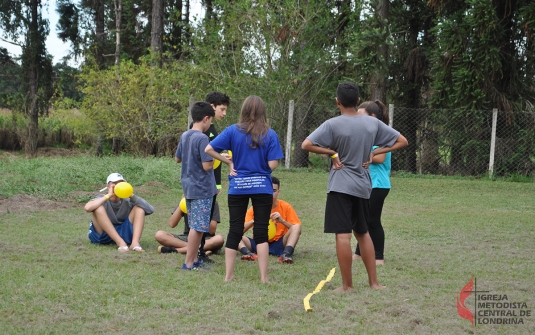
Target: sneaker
285,258
166,250
194,268
204,259
201,265
249,257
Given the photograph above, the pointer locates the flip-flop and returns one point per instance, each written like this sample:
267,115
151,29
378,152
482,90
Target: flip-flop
138,248
124,248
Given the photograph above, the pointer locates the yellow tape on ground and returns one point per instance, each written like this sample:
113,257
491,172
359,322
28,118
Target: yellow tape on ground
306,301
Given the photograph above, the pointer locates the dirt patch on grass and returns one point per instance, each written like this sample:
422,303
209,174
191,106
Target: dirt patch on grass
23,202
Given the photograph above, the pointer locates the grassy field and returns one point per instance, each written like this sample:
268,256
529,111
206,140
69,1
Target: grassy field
440,232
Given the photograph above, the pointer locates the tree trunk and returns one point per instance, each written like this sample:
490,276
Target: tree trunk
209,4
378,88
118,13
100,34
156,42
33,79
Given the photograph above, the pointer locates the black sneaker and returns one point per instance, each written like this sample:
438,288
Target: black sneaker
166,250
204,259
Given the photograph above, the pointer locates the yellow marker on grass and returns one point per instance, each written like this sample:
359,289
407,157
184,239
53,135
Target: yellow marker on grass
306,301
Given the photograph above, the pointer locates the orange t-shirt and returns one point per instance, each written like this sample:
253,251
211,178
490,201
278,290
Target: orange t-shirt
286,211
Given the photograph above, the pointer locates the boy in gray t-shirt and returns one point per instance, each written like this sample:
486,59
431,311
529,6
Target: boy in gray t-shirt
198,181
348,139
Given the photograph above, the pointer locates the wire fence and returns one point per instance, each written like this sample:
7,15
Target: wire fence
441,141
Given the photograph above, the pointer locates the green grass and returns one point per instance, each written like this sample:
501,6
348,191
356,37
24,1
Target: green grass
440,232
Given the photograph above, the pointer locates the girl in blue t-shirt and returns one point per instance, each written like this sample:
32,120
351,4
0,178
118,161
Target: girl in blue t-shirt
380,175
255,154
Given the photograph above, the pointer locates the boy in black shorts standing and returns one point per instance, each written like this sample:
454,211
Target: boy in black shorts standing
348,139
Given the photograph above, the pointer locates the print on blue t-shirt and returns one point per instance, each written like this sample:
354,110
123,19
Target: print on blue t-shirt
251,164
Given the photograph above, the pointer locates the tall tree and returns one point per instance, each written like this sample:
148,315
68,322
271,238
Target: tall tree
378,79
23,23
156,41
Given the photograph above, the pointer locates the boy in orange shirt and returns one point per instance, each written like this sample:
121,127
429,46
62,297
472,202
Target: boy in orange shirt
288,230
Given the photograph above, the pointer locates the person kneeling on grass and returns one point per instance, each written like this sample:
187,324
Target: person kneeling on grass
286,236
117,220
178,243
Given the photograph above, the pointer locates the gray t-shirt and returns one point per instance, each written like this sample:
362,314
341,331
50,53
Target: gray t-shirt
352,137
119,211
196,183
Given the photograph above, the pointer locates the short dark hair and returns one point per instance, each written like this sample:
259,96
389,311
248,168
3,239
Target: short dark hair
217,98
348,94
276,181
201,109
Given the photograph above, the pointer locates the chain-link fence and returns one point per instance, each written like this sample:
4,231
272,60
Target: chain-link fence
442,142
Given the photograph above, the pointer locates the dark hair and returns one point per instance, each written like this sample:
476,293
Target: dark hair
276,181
201,109
376,108
348,94
217,98
253,120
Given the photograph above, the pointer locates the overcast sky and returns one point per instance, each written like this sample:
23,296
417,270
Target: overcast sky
54,45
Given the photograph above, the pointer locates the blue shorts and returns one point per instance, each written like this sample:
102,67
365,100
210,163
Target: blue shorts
275,248
125,230
199,213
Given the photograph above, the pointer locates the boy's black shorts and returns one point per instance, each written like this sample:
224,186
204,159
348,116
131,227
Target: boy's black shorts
345,213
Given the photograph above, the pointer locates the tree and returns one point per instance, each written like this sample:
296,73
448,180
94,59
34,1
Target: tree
156,41
483,59
23,18
10,78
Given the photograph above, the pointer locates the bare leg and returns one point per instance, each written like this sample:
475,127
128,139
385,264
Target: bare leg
292,236
168,240
194,239
137,218
230,260
377,261
343,253
214,243
102,223
263,259
368,257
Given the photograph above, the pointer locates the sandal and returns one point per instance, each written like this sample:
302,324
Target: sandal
124,248
138,248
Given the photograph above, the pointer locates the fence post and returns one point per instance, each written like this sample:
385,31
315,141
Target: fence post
190,119
289,134
391,115
493,141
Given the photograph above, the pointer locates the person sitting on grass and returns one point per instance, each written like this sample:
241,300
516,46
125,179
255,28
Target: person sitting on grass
288,230
177,243
116,220
198,181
